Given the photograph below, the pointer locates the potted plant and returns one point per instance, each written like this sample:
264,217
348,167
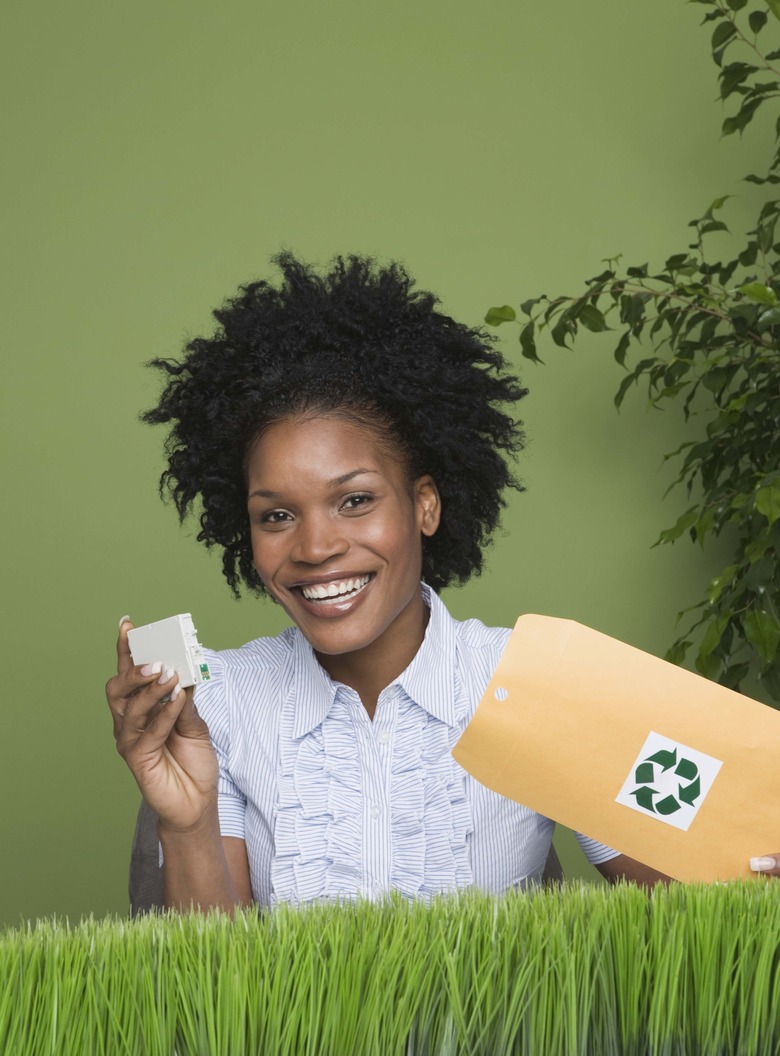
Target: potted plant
704,333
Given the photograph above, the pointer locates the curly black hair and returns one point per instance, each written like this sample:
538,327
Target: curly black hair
361,342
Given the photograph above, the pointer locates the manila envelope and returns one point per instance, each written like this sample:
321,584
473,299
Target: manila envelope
661,764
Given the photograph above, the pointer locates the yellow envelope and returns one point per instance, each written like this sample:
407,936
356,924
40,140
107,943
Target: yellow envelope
661,764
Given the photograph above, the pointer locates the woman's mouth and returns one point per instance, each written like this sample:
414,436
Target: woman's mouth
337,591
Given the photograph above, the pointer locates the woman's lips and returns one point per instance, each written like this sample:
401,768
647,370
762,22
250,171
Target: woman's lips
337,597
339,589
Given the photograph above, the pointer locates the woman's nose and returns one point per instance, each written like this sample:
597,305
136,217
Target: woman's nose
317,539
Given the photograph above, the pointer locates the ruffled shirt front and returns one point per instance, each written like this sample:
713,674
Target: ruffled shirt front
333,805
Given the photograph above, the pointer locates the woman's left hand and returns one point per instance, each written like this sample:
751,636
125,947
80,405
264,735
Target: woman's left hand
768,864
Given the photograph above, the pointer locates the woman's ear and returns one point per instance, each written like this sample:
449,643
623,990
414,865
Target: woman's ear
428,504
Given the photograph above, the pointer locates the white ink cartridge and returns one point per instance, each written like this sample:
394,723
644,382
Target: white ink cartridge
174,642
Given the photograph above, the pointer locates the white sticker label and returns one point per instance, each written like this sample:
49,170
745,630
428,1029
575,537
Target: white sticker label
669,781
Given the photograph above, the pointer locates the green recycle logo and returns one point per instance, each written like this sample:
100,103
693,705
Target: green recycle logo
646,775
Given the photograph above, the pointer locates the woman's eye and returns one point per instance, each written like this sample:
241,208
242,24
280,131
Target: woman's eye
275,517
357,502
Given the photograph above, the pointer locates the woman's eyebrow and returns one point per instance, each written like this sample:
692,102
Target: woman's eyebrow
337,482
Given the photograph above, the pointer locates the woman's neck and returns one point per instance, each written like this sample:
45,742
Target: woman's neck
370,670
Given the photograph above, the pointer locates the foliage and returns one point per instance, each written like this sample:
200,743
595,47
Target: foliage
708,334
613,972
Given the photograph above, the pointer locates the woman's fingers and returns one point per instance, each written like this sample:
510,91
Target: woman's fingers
142,711
124,660
127,680
136,689
768,864
161,737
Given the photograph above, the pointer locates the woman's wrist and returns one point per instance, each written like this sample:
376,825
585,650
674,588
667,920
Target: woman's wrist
196,873
205,827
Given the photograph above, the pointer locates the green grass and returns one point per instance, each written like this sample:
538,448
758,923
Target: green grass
580,970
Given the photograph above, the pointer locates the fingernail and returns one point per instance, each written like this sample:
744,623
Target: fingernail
175,691
762,865
151,669
167,675
125,619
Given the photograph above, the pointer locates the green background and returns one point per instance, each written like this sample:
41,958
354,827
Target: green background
155,156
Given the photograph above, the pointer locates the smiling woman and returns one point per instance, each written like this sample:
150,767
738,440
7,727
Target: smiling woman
340,548
349,446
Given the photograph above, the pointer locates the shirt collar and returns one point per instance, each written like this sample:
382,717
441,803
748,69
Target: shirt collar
428,680
313,687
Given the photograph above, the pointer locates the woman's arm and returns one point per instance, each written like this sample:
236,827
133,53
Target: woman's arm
204,870
625,868
167,747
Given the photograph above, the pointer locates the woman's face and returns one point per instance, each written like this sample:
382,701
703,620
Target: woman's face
336,528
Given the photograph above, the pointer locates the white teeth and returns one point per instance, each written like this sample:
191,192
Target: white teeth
340,589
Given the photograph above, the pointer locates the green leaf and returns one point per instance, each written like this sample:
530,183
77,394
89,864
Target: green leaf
763,632
678,260
676,653
729,126
712,225
625,385
758,293
774,7
759,575
709,666
592,319
757,20
723,33
766,236
756,549
736,5
527,306
719,583
712,636
732,677
632,308
771,317
684,521
715,379
771,679
706,523
497,316
732,76
622,348
527,342
563,330
768,501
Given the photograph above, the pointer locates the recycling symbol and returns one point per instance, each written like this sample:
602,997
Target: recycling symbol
651,771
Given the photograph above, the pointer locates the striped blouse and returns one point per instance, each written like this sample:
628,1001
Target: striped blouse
334,805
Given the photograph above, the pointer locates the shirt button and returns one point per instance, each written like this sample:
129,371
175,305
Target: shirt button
384,737
376,812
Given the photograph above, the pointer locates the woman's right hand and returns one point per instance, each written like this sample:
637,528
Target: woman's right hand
162,739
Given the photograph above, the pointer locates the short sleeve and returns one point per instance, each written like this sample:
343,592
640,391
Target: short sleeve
596,853
212,702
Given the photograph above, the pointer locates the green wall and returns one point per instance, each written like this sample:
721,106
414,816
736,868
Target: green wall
156,155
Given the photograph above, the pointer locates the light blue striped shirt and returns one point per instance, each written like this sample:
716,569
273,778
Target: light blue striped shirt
334,805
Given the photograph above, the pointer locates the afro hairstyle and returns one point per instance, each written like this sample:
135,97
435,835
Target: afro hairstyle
361,342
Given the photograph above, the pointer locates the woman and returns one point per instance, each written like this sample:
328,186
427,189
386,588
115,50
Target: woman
347,443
